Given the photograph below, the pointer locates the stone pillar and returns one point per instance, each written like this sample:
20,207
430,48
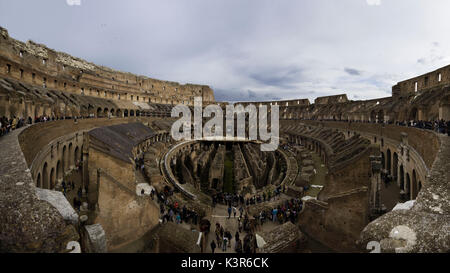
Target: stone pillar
375,180
94,239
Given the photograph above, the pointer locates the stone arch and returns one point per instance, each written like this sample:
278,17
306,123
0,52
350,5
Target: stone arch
373,116
38,181
125,113
388,161
402,178
76,154
414,185
45,178
64,164
99,112
70,156
113,112
105,112
380,116
444,108
91,111
395,166
138,113
131,113
52,179
59,172
408,191
413,114
119,113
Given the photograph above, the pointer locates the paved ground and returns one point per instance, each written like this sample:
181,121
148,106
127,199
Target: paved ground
220,215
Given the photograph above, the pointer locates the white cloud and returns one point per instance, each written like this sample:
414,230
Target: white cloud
373,2
255,49
73,2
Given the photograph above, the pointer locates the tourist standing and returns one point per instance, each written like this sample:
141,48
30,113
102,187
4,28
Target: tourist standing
238,246
213,246
224,243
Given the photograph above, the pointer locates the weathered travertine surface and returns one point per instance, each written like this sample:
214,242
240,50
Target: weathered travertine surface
27,224
428,219
95,239
59,201
286,238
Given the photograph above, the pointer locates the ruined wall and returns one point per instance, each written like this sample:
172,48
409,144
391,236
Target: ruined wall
439,77
38,65
124,216
337,221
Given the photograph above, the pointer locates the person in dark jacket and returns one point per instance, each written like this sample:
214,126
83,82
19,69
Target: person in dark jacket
213,246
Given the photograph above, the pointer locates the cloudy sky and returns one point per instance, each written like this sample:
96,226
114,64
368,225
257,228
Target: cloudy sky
248,49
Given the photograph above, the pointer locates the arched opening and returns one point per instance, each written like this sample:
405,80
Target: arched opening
414,185
112,112
131,113
444,108
64,159
395,166
125,113
380,116
388,161
138,113
58,171
76,155
373,116
45,179
105,112
119,113
91,111
70,156
52,179
38,181
413,115
402,178
408,187
99,112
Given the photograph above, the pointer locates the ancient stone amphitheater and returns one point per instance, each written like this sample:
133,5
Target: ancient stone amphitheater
88,165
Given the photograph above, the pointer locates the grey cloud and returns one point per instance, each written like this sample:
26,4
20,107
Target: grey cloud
352,71
247,50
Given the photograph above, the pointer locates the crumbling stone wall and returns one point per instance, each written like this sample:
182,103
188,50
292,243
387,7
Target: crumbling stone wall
36,64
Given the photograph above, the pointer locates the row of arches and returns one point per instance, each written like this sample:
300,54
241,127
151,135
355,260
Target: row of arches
407,181
48,177
105,112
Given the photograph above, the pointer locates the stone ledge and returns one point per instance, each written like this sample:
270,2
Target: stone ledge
27,224
59,201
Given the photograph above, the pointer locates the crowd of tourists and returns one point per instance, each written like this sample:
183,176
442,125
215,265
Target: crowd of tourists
229,199
172,212
439,126
8,125
223,239
288,211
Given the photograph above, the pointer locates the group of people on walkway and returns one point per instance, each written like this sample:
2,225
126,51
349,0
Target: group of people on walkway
223,238
239,200
288,211
171,212
8,125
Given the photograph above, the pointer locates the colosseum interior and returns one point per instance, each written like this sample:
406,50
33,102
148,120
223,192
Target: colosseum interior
89,165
